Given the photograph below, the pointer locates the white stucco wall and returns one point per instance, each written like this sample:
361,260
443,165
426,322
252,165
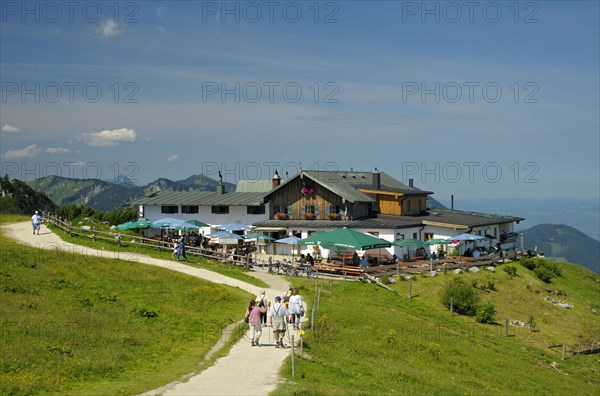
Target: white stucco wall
237,214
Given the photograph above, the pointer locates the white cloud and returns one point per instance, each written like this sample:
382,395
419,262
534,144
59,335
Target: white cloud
57,150
109,138
30,151
10,129
161,29
109,29
173,158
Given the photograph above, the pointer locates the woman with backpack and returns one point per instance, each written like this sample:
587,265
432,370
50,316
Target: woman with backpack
263,302
253,319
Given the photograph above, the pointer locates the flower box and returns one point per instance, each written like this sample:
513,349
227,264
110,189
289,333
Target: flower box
282,216
309,216
334,216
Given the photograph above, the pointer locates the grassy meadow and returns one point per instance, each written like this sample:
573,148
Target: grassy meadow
368,340
72,324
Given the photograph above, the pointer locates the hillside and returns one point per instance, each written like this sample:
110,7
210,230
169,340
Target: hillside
564,243
18,198
105,195
368,340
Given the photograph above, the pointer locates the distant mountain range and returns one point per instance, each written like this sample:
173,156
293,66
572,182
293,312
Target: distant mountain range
104,195
564,243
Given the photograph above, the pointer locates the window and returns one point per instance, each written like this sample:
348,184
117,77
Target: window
255,210
314,209
169,209
333,209
408,206
189,209
221,209
428,236
282,209
414,235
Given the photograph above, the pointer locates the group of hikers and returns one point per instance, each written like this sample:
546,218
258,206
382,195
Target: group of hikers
282,313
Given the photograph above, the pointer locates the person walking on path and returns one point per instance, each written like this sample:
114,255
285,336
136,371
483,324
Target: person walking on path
36,222
296,308
181,251
277,315
263,302
253,319
175,250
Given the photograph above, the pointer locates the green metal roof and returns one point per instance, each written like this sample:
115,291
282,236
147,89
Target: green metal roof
254,186
201,198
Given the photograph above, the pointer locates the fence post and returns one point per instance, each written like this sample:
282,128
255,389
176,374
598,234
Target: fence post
312,317
94,233
319,298
563,352
410,288
506,327
70,229
451,306
397,269
293,358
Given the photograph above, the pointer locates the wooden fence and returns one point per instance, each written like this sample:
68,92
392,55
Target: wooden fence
119,240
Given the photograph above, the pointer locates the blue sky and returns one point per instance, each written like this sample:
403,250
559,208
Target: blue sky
498,101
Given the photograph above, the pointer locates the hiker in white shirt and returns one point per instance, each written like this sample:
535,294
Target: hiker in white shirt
277,319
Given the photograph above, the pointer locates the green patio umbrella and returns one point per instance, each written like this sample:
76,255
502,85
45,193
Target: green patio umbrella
346,238
197,223
130,225
134,225
410,242
439,241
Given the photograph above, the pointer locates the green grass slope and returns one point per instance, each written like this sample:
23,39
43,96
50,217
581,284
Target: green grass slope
368,340
73,324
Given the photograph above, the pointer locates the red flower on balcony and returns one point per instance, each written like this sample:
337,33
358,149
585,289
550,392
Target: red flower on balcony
307,191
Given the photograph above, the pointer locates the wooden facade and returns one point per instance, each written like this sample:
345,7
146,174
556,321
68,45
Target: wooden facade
396,203
321,203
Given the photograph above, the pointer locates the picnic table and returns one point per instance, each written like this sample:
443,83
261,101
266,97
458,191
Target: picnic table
334,268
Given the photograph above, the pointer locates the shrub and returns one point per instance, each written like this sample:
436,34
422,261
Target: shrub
486,313
543,273
491,285
461,296
528,263
510,271
543,269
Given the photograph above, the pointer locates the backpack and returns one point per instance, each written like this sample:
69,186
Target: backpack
261,303
286,297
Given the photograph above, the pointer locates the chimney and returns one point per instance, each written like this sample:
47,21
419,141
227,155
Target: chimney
376,180
452,202
411,183
220,188
276,181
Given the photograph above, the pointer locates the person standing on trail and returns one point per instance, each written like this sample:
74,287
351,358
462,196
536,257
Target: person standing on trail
253,319
296,308
277,315
36,222
263,302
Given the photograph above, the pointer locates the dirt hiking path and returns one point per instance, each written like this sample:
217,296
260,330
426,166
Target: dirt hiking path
234,374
